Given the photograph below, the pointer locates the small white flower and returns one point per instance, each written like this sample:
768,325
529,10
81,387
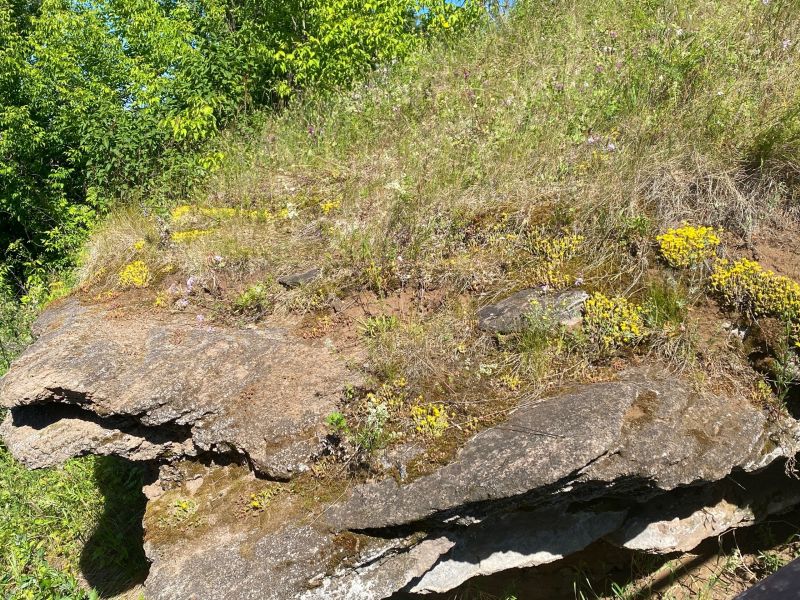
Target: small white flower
611,147
785,44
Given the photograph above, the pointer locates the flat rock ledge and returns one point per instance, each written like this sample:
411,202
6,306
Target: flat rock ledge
645,462
105,382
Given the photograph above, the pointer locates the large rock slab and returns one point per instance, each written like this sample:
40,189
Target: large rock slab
645,461
260,393
644,434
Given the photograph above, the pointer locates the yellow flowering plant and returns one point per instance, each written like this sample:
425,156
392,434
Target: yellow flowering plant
431,420
135,274
689,245
612,322
185,237
746,286
553,254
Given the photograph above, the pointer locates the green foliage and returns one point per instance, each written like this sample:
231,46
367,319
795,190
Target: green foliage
338,423
119,98
87,512
664,304
379,325
254,300
372,434
15,321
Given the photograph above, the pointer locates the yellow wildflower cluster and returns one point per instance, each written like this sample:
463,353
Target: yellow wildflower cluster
556,248
218,213
327,206
393,394
190,235
554,252
745,285
511,381
431,420
181,211
138,245
612,322
135,274
182,510
688,245
260,501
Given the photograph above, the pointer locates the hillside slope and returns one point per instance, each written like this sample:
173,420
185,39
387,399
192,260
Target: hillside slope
626,172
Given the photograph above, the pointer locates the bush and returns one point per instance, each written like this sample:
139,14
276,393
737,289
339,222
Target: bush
105,111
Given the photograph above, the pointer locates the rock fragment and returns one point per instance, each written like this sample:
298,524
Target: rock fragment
294,280
508,315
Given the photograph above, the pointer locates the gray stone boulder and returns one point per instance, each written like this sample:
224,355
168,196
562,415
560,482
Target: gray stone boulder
644,434
263,394
294,280
509,315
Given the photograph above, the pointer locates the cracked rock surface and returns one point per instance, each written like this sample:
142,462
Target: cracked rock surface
260,393
646,433
644,462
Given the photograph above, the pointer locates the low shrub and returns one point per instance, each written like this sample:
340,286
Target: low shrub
746,286
255,299
612,322
689,245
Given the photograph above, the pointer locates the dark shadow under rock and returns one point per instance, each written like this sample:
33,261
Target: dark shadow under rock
113,559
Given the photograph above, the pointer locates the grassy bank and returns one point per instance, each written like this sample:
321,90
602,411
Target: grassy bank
556,148
68,530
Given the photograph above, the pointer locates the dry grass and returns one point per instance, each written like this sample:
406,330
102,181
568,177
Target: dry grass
610,121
